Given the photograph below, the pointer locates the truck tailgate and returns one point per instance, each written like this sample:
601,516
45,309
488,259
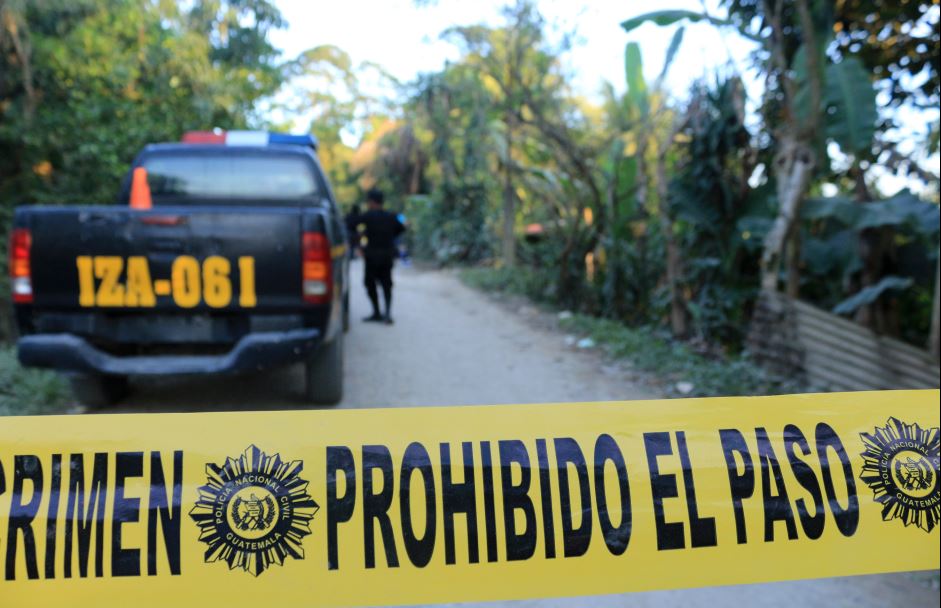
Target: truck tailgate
169,259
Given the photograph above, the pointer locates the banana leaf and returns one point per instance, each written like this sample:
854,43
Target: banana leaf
871,294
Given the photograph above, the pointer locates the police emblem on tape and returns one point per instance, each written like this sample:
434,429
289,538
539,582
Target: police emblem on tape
900,465
254,511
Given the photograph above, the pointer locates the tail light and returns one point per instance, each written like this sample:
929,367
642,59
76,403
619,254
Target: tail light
21,282
316,268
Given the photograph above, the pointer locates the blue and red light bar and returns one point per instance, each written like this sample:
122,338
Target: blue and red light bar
248,138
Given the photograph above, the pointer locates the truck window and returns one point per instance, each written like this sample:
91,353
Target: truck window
227,178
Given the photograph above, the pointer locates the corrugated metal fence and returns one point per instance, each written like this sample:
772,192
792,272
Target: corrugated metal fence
833,353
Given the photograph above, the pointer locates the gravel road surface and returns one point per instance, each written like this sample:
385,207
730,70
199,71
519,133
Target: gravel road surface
449,345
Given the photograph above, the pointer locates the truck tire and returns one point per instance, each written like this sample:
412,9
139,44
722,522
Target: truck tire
324,373
98,391
346,313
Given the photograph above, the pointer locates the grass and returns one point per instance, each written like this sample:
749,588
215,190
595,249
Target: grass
671,364
25,392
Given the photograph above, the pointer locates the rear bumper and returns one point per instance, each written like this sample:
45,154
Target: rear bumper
255,351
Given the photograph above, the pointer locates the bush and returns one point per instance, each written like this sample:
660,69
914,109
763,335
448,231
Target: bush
448,227
27,391
521,281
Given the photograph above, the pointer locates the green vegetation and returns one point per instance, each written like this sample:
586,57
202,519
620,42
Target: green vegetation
675,209
677,368
27,392
648,207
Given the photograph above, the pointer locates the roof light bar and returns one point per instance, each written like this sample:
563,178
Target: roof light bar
203,137
248,138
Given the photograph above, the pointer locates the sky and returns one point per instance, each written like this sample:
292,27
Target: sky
405,40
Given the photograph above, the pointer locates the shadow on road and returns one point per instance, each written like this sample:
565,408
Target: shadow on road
273,390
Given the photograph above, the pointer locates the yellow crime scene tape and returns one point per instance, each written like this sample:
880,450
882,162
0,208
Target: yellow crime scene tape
424,505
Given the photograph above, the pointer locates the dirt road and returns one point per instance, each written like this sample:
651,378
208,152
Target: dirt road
449,346
453,346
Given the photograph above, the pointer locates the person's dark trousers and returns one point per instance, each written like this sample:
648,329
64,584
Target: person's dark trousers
379,271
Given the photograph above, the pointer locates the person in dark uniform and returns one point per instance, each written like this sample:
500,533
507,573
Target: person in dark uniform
380,229
351,220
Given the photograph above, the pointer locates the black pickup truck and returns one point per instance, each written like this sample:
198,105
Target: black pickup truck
224,254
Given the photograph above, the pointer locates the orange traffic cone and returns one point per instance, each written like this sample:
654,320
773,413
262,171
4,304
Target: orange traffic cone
140,190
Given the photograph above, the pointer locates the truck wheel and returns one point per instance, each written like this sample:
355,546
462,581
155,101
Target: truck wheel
324,373
346,313
98,391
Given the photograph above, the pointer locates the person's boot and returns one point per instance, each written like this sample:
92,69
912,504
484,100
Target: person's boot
387,296
374,300
375,317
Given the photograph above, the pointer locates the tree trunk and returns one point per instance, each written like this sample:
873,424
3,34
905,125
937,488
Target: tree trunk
793,264
794,165
642,289
935,321
513,62
22,50
795,157
877,251
678,318
509,199
879,257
